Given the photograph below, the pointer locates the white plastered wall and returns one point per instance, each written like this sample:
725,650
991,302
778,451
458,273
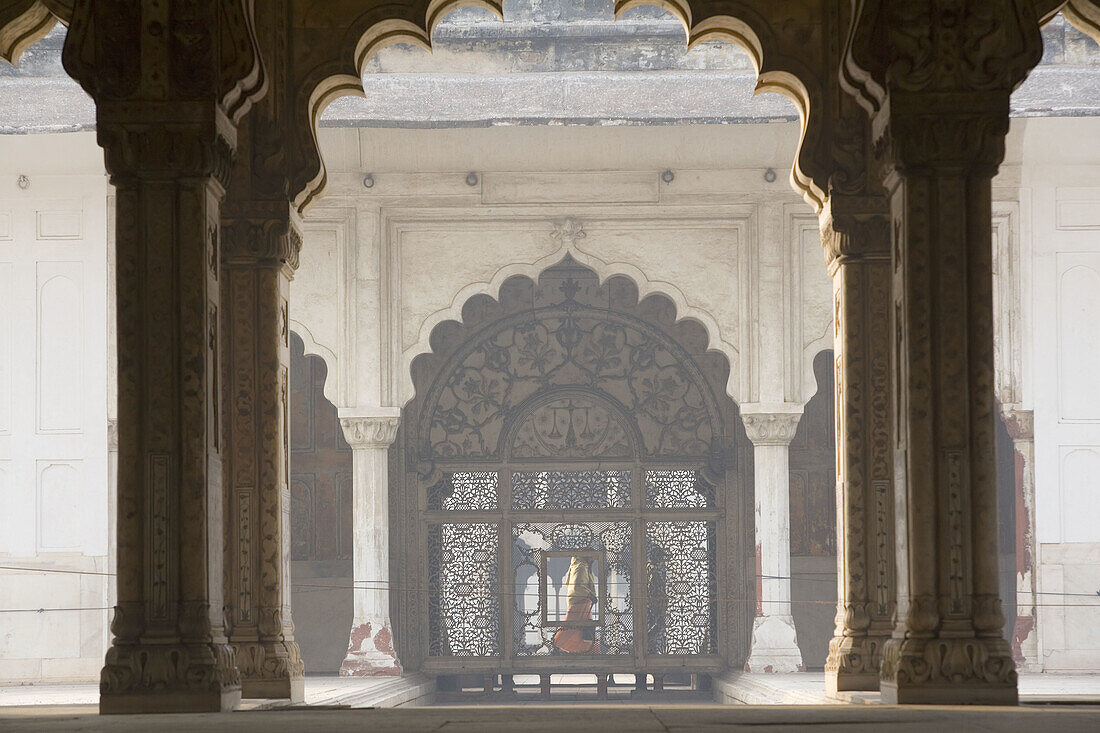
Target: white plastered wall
53,408
1059,204
414,223
448,214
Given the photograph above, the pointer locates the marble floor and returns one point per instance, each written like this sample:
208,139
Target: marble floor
580,719
804,688
780,703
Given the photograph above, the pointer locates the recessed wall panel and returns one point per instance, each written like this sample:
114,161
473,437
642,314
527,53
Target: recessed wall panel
60,347
1079,337
59,224
1080,497
7,315
60,489
6,232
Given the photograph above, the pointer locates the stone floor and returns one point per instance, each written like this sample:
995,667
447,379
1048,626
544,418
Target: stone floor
355,692
1063,703
808,688
581,719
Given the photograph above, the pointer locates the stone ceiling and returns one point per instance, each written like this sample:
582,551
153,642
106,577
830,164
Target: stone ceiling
552,62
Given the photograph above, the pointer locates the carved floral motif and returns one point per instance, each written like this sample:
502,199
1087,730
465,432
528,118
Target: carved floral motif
370,432
771,428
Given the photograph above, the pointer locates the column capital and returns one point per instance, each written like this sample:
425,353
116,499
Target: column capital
166,140
771,427
371,431
254,239
855,229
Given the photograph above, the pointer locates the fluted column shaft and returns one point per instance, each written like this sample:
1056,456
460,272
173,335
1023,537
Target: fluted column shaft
774,642
857,251
370,644
260,246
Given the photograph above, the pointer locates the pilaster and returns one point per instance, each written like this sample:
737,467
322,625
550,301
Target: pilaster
370,645
774,641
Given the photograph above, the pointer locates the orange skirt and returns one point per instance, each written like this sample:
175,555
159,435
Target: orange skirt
572,639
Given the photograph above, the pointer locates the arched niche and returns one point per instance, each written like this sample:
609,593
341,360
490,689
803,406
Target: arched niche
321,519
569,331
565,394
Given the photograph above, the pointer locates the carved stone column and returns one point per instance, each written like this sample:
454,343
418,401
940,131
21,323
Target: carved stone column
774,642
1025,634
370,646
259,255
171,80
170,652
857,251
936,78
948,645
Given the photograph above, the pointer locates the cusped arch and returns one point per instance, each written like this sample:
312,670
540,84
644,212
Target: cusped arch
784,42
327,355
25,22
591,345
604,270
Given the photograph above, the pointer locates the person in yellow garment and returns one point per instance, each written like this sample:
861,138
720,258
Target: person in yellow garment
581,596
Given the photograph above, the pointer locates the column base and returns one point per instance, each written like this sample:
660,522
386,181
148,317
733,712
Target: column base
774,646
370,652
271,669
168,701
169,678
286,688
853,664
966,671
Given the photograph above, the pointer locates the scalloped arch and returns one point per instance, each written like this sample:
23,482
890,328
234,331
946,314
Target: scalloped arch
783,74
809,355
604,270
25,22
332,379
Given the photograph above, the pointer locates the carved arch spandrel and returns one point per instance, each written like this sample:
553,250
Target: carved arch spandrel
331,41
646,286
489,357
312,347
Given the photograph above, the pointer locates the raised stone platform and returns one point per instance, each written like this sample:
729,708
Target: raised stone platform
321,692
808,688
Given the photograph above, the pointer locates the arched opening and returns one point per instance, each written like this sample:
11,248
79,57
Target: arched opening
565,481
321,518
813,518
